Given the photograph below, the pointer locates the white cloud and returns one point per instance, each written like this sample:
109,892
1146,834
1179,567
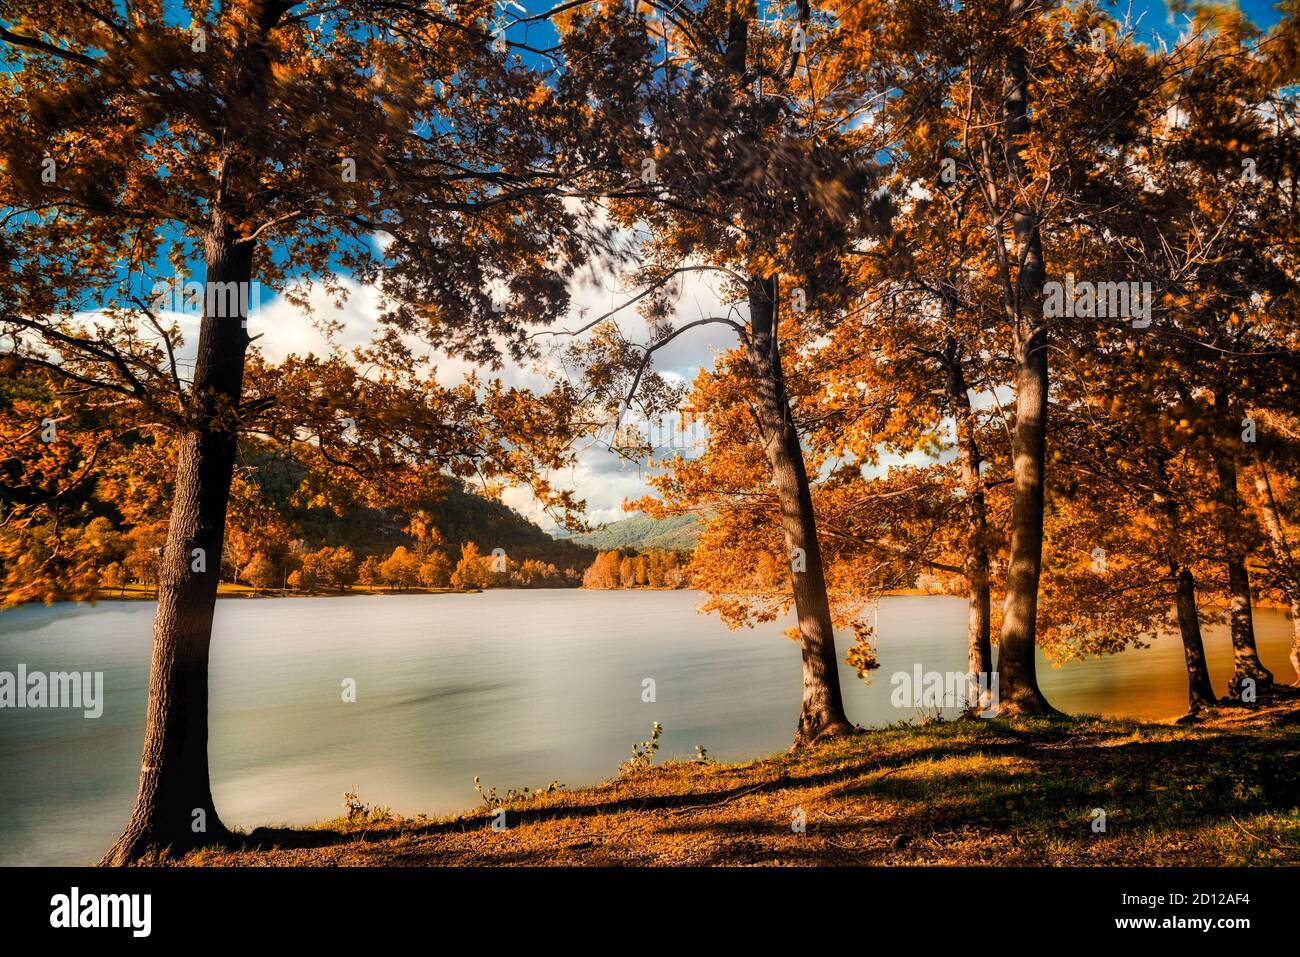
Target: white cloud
282,328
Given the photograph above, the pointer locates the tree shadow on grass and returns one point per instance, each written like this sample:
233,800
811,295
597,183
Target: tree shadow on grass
264,838
1060,773
1158,787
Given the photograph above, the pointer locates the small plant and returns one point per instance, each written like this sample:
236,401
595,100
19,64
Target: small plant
549,789
702,754
358,812
927,716
644,752
493,800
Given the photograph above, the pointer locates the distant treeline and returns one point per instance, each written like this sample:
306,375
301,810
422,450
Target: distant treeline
288,525
626,568
337,569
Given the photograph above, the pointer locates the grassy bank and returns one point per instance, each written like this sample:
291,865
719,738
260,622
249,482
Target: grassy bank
1224,790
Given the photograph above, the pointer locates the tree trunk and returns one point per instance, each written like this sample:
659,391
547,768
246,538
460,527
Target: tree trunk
1282,557
979,652
174,806
822,713
1017,668
1245,656
1200,693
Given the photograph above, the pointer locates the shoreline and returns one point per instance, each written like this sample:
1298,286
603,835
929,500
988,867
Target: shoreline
225,590
234,590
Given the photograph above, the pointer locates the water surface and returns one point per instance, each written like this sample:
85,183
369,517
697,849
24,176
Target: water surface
519,687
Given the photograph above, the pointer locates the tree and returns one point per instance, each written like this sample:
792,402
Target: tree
1241,308
1127,528
132,143
982,64
435,570
1285,567
261,572
144,555
655,571
473,570
113,576
369,574
733,176
54,538
1147,411
314,574
603,572
627,572
401,570
340,568
1018,683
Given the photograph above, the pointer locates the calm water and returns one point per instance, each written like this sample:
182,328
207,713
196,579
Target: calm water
519,687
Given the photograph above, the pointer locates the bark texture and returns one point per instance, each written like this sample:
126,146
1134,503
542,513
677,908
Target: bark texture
1200,693
822,712
174,806
1017,643
1245,655
979,650
1283,558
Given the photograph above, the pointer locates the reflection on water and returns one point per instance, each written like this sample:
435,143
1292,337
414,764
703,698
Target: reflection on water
519,687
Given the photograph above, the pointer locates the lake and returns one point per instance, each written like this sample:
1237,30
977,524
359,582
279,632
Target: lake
518,687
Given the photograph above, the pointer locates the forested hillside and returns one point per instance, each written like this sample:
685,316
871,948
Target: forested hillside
292,523
643,533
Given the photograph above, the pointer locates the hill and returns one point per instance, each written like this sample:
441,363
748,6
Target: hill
459,515
642,533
